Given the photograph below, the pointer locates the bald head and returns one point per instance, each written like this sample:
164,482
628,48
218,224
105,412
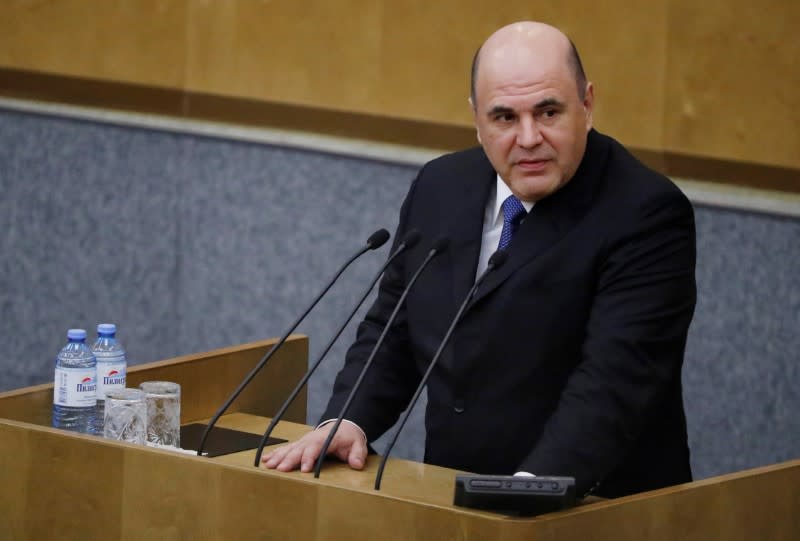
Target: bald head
532,107
529,39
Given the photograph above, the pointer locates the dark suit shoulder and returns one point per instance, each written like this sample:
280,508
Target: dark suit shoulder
468,157
457,166
630,178
630,189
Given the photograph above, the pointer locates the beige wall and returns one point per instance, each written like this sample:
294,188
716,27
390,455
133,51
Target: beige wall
713,79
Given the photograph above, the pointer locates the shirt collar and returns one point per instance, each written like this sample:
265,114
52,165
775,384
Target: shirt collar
502,191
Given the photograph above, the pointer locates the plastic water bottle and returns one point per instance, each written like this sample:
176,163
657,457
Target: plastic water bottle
112,367
74,392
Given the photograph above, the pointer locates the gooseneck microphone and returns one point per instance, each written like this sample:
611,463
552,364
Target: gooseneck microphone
495,261
438,247
375,241
409,241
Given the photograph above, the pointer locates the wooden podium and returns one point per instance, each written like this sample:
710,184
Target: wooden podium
129,492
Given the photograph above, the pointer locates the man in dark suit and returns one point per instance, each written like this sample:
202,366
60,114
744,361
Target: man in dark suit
568,361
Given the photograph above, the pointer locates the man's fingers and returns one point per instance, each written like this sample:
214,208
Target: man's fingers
296,455
357,456
348,445
292,459
280,458
353,452
274,457
309,456
286,457
358,453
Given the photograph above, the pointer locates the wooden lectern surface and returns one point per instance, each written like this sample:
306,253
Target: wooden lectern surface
115,490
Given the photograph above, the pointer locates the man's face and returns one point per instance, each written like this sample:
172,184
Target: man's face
531,120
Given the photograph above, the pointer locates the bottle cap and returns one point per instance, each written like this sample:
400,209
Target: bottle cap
76,334
106,328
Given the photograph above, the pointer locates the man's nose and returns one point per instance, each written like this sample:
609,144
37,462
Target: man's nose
528,134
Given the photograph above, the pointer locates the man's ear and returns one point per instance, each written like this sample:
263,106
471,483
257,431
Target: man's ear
588,104
475,115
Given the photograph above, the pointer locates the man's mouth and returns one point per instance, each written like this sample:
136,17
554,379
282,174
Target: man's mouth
532,164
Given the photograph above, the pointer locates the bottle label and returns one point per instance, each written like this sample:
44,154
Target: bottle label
110,375
75,387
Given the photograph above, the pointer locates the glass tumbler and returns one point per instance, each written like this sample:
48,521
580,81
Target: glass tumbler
163,400
125,416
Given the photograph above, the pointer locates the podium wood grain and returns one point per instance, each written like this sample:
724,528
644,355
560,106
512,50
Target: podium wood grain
122,491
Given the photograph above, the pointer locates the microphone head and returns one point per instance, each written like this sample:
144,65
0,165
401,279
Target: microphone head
377,239
411,238
440,245
497,259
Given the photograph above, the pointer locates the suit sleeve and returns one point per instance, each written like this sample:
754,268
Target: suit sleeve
633,350
393,376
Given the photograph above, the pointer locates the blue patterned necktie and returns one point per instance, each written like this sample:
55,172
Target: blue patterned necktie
513,213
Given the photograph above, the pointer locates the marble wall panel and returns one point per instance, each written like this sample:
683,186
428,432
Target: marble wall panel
141,42
314,52
714,79
733,64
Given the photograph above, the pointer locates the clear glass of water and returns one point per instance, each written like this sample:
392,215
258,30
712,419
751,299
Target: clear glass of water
125,416
163,400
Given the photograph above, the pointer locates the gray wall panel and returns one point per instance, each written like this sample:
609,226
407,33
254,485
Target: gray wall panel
742,371
263,229
191,243
87,234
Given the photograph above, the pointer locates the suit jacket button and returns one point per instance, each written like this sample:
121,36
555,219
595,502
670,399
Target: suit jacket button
458,406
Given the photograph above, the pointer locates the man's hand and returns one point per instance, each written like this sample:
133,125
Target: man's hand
348,446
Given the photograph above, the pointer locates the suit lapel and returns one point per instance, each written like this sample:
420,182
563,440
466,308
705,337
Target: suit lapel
469,206
539,231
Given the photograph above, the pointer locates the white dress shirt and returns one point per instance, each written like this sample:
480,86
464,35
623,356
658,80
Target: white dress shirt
493,223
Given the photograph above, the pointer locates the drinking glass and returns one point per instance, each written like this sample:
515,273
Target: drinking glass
125,416
163,400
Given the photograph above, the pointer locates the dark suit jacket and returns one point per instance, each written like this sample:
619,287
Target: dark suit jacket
568,361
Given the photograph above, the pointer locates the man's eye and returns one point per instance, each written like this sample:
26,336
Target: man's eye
505,117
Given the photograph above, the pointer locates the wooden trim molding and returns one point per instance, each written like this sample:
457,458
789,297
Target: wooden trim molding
249,112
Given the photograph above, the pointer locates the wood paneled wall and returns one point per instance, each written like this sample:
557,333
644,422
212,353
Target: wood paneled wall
718,79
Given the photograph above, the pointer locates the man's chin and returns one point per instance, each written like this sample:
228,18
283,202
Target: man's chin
531,188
